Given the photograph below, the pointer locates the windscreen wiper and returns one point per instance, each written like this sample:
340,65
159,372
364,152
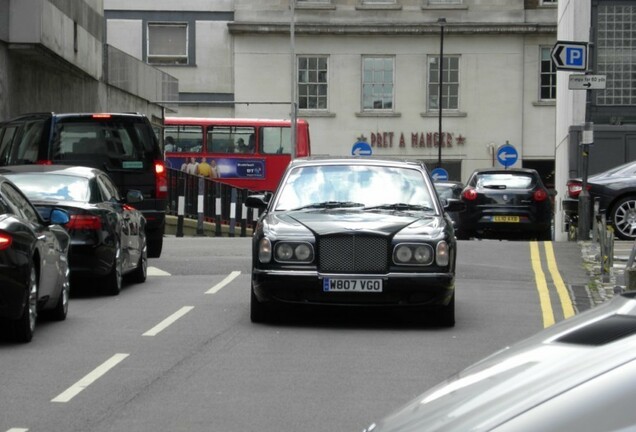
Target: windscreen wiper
329,205
399,206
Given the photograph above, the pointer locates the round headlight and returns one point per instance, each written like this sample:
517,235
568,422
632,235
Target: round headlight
422,254
303,252
284,252
403,254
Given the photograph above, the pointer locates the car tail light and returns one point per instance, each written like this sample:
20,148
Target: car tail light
574,188
44,162
161,180
5,240
469,194
106,116
84,222
540,195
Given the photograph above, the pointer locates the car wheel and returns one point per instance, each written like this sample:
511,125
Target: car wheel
113,281
259,312
623,218
544,236
24,327
462,235
446,314
141,272
59,312
155,244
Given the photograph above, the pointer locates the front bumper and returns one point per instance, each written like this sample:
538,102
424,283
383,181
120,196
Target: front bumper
399,289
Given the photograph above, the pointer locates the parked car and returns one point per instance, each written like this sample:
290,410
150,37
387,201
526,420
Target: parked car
34,273
577,375
360,232
450,190
506,203
108,239
123,145
615,190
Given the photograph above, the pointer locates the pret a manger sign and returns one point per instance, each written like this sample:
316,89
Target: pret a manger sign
391,139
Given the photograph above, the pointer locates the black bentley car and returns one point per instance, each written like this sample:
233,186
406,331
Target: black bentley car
359,232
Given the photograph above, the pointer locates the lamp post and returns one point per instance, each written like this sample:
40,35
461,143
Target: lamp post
441,22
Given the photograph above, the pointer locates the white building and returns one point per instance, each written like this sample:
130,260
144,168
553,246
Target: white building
365,70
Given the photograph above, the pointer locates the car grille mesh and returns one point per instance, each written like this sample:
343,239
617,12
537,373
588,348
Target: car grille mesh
353,254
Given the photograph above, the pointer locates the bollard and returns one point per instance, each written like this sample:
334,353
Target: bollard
200,207
232,212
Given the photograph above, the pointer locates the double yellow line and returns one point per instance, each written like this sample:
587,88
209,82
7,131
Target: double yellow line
542,284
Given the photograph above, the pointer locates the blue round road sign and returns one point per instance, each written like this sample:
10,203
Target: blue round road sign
507,155
439,174
361,148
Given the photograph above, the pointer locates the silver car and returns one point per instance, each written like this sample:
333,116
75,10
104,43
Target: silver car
578,375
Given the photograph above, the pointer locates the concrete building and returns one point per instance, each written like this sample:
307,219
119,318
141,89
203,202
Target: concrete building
53,57
364,70
608,26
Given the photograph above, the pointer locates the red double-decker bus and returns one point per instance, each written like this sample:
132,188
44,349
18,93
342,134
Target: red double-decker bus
245,153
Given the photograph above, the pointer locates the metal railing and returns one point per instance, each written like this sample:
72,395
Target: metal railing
206,200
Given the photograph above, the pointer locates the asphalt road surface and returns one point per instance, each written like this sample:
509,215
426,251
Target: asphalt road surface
179,353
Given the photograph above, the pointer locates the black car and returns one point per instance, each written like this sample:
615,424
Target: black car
34,272
108,237
506,203
358,232
615,190
123,145
450,190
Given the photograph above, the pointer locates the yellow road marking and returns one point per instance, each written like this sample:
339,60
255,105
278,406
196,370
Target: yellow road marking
542,286
564,296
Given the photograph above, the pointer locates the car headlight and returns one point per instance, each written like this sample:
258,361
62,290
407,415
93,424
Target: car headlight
264,250
294,252
413,254
442,254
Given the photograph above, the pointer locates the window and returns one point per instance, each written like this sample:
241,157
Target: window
548,75
276,140
168,43
450,83
615,43
377,83
229,139
312,82
443,2
183,138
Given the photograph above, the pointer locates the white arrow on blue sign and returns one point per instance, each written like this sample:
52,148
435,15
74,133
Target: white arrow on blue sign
361,148
439,174
507,155
570,55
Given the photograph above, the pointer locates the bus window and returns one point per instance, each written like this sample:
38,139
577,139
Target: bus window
276,140
183,138
229,139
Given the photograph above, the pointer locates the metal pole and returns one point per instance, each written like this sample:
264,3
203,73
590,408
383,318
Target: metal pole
294,78
441,21
584,196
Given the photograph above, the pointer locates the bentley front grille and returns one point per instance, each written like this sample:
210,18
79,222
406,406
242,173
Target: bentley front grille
353,254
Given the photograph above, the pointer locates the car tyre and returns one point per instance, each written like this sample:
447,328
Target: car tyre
59,312
113,281
623,218
445,316
155,245
24,327
259,312
141,272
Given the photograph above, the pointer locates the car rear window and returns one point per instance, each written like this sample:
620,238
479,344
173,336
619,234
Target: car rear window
505,180
52,187
118,139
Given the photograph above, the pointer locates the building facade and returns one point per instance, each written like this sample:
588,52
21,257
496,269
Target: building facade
364,70
53,58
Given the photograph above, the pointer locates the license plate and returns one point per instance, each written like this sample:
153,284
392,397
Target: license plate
505,218
351,285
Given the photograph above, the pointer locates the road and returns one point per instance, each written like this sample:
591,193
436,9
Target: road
179,352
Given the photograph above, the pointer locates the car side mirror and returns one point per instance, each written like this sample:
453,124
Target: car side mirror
59,217
454,205
259,201
134,196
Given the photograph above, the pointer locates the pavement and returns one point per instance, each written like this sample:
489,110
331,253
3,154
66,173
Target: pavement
603,285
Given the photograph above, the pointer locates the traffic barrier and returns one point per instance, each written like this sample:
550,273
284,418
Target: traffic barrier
208,200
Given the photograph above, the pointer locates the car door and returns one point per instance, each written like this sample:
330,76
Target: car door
46,242
128,219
